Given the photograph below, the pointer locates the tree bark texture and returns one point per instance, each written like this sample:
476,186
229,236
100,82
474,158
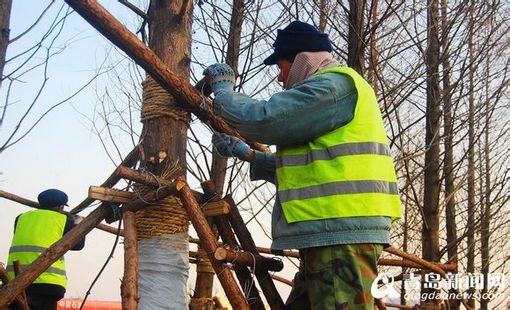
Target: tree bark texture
129,285
20,302
219,163
448,132
430,230
266,283
356,36
242,272
5,16
373,54
471,218
485,232
163,140
210,244
204,282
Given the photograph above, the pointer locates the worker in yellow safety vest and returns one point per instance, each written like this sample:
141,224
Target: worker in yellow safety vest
34,232
336,186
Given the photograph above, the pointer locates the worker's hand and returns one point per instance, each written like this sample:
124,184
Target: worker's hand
221,78
229,146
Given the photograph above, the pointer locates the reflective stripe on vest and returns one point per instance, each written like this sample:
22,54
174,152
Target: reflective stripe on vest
35,232
344,173
50,269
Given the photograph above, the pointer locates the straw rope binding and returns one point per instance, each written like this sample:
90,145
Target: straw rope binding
157,102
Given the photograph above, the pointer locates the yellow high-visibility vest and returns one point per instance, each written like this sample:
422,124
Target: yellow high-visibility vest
36,231
347,172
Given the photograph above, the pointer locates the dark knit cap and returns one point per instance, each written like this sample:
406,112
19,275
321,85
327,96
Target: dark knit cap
298,37
51,199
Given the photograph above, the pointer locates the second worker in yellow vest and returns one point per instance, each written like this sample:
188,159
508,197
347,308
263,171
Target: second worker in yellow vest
34,232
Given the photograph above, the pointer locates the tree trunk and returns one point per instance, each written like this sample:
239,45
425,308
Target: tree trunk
323,18
372,64
485,217
219,163
451,224
5,16
470,256
162,230
205,280
430,230
356,42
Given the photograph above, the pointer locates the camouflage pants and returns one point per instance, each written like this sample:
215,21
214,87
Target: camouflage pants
335,277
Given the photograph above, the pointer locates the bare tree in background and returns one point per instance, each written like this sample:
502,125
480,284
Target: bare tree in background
26,109
5,16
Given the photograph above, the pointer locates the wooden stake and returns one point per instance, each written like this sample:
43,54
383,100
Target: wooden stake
180,88
148,179
263,250
129,285
417,260
209,243
21,300
243,274
248,259
128,161
266,283
110,194
211,208
150,197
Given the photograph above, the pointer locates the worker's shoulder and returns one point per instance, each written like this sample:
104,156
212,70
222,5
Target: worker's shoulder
332,77
335,82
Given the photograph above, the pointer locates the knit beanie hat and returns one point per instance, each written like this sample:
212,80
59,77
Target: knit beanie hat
51,199
298,37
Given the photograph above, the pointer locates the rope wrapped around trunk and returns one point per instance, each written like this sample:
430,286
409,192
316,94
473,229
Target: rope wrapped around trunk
157,102
166,217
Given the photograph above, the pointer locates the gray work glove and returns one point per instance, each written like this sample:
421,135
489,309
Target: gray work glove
229,146
221,77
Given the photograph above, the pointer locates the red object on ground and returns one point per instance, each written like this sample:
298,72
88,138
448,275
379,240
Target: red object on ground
75,303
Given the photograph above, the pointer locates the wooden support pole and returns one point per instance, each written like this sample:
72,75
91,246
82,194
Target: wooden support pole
244,276
180,88
128,161
21,300
380,304
110,194
52,254
266,283
17,270
211,208
35,204
209,243
148,179
281,279
129,285
407,263
150,197
417,260
248,259
204,281
262,250
242,272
